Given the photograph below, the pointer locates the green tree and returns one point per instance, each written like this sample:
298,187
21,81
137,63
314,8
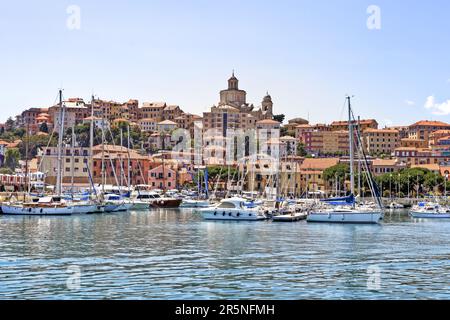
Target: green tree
339,171
279,117
301,152
9,124
43,127
12,157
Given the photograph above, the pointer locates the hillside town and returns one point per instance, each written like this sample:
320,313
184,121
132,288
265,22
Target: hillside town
140,134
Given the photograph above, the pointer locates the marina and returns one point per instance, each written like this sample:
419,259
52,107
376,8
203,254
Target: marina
175,254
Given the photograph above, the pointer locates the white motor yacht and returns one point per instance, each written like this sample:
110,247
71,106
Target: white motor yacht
233,209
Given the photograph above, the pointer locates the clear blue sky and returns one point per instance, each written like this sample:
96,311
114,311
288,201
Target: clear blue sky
307,53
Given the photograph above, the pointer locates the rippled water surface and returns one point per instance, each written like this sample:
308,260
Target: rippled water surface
176,255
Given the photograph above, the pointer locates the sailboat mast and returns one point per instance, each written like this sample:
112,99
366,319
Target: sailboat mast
129,160
60,142
91,138
352,152
73,158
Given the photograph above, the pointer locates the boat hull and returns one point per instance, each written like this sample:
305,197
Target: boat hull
424,215
85,209
140,206
163,203
231,215
195,204
37,211
289,217
346,217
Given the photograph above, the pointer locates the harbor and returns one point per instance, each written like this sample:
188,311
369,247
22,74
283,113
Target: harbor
175,254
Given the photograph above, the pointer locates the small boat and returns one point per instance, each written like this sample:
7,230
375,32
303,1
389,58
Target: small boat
395,205
51,206
291,217
116,203
233,209
430,211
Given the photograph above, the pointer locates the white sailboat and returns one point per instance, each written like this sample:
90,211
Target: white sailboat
53,205
430,211
352,213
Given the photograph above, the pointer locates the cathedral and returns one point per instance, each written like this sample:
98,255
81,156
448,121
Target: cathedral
233,111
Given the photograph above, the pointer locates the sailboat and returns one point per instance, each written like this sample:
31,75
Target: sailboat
198,202
53,205
351,213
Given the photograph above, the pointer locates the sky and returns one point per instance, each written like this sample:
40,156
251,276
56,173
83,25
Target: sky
309,54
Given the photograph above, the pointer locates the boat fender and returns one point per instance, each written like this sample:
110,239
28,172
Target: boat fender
238,214
215,213
29,210
42,210
223,213
229,214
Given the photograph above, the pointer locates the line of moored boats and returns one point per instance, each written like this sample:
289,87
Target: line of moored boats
237,208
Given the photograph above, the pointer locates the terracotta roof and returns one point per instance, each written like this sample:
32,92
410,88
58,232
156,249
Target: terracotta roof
120,120
381,130
319,163
268,121
304,126
430,124
167,122
384,162
367,121
147,119
288,138
431,166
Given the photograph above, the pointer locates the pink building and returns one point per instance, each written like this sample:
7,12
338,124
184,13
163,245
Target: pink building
163,177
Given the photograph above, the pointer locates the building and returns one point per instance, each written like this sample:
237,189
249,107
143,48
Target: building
363,124
163,177
423,129
166,126
326,142
380,141
233,112
311,171
384,166
413,143
437,135
75,163
119,163
148,125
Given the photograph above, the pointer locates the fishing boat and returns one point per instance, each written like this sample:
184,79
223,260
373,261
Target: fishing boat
233,209
52,206
349,212
430,210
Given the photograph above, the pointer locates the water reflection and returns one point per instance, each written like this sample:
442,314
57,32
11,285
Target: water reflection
172,254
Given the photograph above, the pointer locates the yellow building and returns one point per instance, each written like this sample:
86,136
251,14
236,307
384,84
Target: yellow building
311,171
380,141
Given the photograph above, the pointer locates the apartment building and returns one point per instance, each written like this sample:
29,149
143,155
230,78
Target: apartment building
363,124
423,129
380,141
